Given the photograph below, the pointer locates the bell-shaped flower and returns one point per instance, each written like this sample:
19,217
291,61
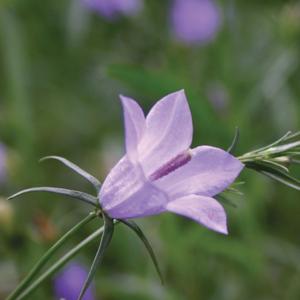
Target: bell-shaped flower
161,173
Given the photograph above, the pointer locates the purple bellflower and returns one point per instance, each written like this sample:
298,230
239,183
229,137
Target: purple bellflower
160,172
111,9
68,283
195,21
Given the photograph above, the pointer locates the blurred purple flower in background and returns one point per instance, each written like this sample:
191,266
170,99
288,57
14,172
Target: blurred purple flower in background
3,161
218,96
160,172
195,21
112,9
68,283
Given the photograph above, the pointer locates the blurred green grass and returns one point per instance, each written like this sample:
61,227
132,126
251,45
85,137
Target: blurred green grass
60,80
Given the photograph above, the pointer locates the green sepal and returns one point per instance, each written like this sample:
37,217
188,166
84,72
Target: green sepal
104,243
87,198
132,225
234,141
93,180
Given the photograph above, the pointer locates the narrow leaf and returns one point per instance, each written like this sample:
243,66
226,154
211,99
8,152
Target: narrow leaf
275,174
276,165
292,136
93,180
286,147
105,240
132,225
61,191
296,161
47,256
233,190
234,141
292,153
287,180
266,165
277,142
58,264
225,200
238,183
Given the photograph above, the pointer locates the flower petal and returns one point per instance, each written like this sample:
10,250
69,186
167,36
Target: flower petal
204,210
126,193
134,125
169,131
210,171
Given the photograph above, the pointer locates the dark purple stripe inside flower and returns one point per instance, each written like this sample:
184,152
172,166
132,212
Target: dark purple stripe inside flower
171,166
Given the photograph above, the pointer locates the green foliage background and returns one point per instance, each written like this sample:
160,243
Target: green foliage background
61,70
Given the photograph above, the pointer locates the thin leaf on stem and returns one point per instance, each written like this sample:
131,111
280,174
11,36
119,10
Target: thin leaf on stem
104,243
275,174
277,142
59,264
93,180
132,225
225,200
283,148
87,198
46,257
234,141
292,136
275,165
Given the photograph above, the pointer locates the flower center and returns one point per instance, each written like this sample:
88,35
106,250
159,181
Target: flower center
171,166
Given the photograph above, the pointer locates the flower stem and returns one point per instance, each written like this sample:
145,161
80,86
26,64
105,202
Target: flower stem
45,258
61,262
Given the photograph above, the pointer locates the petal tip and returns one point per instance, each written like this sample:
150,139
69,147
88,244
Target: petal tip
181,91
123,98
219,227
223,230
130,103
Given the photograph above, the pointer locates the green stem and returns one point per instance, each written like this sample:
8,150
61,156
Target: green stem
45,258
61,262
